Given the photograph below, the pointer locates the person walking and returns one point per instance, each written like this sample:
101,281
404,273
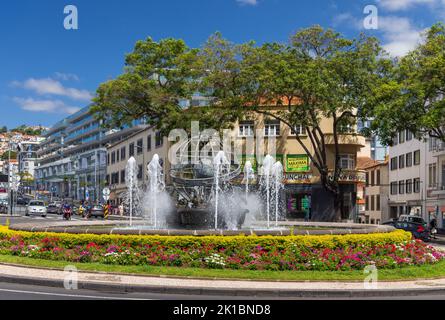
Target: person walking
433,227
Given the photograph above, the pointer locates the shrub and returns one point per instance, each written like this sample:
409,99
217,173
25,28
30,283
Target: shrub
325,252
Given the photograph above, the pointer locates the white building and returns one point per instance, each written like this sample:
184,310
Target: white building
407,175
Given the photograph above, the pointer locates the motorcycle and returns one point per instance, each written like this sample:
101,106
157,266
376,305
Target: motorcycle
67,213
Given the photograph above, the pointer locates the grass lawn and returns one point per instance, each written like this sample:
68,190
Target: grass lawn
407,273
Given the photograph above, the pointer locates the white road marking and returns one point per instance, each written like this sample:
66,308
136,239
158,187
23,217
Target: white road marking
68,295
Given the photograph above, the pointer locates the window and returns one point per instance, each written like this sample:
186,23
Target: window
246,129
140,172
122,176
409,135
377,202
123,153
417,157
409,186
402,161
394,188
108,159
113,157
115,178
372,203
378,177
395,140
149,143
118,153
402,137
131,150
416,185
432,172
394,163
140,145
159,140
298,130
401,187
367,203
347,161
372,178
409,159
367,178
272,128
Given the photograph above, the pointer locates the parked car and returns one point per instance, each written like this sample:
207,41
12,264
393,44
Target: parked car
97,211
410,218
54,208
418,230
22,201
36,207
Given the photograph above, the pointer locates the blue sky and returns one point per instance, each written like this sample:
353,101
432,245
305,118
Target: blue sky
47,72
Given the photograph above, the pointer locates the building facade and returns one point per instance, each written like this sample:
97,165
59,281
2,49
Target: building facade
301,177
142,145
407,179
376,194
72,159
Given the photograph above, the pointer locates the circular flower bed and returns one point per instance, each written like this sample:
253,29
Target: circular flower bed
346,252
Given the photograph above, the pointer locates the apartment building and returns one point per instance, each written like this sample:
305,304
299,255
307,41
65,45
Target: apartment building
435,172
376,193
407,175
72,159
301,177
142,145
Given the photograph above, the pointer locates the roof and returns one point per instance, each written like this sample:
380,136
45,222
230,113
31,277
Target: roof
365,162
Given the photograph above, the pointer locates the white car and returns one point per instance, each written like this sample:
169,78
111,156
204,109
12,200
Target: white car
36,207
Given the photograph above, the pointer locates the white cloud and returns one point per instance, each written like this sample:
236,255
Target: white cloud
397,5
348,18
66,76
50,86
50,106
399,35
248,2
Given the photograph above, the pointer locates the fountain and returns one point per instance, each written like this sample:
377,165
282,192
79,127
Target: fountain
132,196
277,174
156,186
220,167
249,175
265,182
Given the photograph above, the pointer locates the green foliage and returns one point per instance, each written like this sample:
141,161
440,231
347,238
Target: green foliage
412,97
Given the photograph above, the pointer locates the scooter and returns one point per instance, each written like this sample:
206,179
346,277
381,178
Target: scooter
67,213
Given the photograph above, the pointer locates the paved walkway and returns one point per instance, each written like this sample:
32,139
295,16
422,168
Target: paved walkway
55,278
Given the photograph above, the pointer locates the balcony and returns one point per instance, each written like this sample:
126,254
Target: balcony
352,139
437,190
438,149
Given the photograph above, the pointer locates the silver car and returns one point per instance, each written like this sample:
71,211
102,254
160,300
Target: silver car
36,207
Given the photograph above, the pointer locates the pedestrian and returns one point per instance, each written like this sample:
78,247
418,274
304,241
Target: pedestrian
433,227
121,209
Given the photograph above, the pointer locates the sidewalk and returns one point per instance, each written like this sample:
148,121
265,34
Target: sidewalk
134,283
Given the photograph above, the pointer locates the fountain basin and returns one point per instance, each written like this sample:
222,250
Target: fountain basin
122,228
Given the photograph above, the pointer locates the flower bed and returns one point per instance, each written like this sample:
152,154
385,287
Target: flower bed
344,252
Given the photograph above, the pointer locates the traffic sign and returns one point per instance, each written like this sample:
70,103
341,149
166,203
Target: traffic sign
106,194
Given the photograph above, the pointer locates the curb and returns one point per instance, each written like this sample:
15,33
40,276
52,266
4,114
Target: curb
273,293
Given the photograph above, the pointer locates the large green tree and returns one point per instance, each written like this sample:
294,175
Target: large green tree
317,75
412,98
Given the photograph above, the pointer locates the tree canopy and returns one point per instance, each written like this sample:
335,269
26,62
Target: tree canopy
412,98
317,74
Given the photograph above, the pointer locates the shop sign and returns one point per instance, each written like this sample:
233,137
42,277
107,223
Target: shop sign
295,178
352,176
297,163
